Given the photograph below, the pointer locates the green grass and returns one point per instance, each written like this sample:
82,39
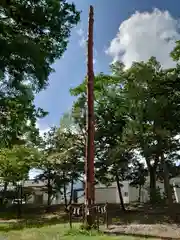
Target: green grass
55,232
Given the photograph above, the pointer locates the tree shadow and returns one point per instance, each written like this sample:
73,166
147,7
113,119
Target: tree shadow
140,235
35,222
119,222
144,216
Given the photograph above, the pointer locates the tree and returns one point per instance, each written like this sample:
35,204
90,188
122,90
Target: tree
139,107
48,166
152,93
15,164
137,176
33,35
18,118
70,159
111,158
61,163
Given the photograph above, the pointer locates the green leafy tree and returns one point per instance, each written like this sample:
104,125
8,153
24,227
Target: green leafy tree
70,160
138,107
18,118
137,176
152,93
112,157
33,35
62,164
15,164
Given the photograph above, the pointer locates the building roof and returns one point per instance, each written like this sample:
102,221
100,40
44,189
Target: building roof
26,184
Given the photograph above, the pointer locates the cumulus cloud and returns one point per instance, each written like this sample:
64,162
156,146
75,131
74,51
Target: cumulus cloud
144,35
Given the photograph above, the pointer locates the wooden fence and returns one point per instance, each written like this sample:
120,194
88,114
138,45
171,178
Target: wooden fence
100,213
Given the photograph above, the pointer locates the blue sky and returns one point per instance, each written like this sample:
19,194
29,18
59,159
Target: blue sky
140,36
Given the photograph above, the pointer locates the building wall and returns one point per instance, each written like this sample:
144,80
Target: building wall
81,199
133,194
30,199
56,200
146,190
125,193
103,195
110,194
176,187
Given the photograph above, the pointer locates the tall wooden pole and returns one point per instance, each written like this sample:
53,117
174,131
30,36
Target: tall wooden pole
89,164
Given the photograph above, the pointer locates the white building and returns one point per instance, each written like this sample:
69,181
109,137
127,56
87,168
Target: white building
130,194
103,193
110,194
36,192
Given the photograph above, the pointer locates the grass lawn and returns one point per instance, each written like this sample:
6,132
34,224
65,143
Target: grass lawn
54,232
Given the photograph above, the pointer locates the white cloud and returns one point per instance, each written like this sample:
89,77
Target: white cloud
42,130
83,43
80,32
144,35
34,173
82,36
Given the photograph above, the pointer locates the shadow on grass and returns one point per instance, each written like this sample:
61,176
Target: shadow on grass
140,235
8,215
142,217
35,222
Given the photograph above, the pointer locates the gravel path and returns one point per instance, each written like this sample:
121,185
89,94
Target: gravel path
166,231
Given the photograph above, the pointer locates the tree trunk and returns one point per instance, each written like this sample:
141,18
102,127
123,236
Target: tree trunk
19,209
167,187
139,197
120,193
4,192
152,174
49,188
71,193
65,194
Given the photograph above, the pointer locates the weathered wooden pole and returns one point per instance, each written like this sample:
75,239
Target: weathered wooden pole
89,163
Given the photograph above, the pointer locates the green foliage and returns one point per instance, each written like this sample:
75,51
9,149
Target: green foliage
110,122
138,174
18,118
158,197
135,109
15,163
33,35
62,162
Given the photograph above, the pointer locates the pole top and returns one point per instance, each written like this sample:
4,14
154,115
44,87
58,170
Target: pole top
91,9
91,13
